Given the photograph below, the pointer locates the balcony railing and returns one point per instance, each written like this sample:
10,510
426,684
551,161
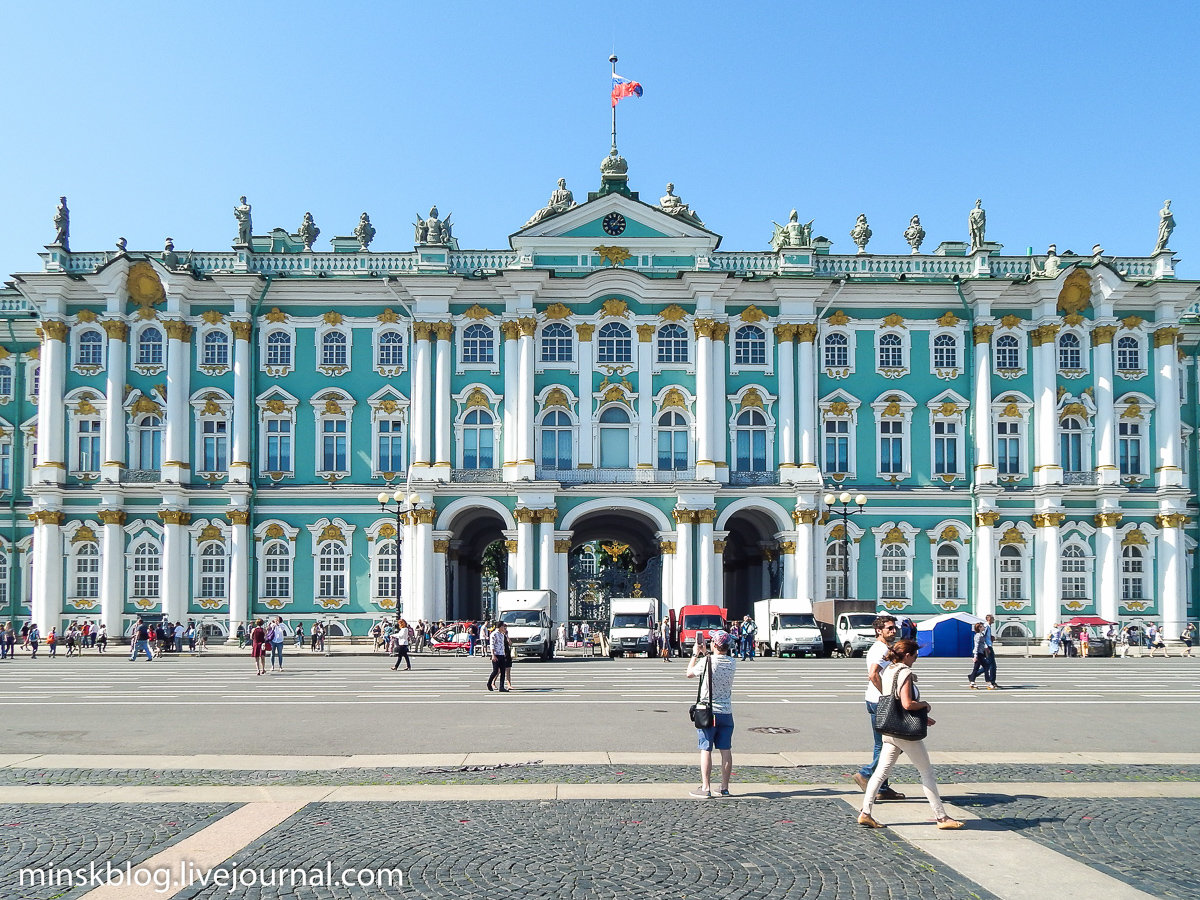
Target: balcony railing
1081,477
616,476
140,476
751,478
475,475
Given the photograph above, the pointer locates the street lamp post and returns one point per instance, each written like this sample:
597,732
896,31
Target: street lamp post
846,510
402,504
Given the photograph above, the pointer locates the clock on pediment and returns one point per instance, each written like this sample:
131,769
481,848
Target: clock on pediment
613,223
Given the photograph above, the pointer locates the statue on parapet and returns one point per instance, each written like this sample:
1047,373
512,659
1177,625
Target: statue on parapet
435,231
364,231
62,225
308,231
241,212
1166,224
861,233
791,235
914,234
170,259
560,201
673,206
977,225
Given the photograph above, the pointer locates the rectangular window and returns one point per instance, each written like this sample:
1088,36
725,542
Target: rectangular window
212,576
6,451
216,445
891,446
1008,448
89,445
279,448
1130,444
751,450
945,448
390,446
614,448
333,448
837,446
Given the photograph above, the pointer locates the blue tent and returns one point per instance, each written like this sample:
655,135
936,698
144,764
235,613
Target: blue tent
950,635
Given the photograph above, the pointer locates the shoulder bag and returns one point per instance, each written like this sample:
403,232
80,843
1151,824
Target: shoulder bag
892,718
701,712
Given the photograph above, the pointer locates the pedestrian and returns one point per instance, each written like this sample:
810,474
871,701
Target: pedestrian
177,633
900,681
102,638
258,647
715,667
5,633
560,642
498,645
241,635
1085,640
33,637
25,635
190,634
749,632
1189,632
377,637
988,639
277,636
877,662
664,638
52,641
141,641
508,660
1054,641
403,632
981,664
300,636
72,641
1128,639
202,639
1158,641
1067,638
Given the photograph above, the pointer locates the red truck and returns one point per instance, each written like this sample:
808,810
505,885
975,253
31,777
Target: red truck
699,618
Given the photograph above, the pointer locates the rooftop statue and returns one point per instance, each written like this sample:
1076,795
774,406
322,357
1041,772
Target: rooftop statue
62,225
170,258
793,234
1053,265
241,212
673,206
122,246
435,231
914,234
308,231
364,231
861,233
1166,224
977,225
560,201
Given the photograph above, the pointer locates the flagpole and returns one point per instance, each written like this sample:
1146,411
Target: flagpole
613,60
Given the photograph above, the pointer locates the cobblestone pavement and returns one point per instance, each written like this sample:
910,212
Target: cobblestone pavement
601,850
587,774
57,837
1147,843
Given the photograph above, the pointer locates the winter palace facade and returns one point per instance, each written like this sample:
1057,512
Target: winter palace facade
206,436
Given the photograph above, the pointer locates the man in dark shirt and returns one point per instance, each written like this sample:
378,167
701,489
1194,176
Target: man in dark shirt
141,642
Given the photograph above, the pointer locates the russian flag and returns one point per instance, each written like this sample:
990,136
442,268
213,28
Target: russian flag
623,87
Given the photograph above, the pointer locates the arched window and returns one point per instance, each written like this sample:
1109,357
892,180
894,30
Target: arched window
478,440
614,438
750,441
90,350
672,441
891,352
672,344
277,570
333,349
893,583
391,348
1074,573
386,567
557,439
212,571
148,443
478,344
1071,444
556,343
147,562
279,349
331,570
1012,573
1070,354
947,585
836,571
614,344
150,347
750,346
87,570
837,351
1133,574
216,349
945,352
1008,352
587,561
1129,354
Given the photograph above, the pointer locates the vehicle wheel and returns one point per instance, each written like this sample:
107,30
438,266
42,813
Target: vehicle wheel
848,651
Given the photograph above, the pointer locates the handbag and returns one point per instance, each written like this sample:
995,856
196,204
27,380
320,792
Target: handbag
892,718
701,712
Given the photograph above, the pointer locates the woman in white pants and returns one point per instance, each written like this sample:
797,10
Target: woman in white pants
899,678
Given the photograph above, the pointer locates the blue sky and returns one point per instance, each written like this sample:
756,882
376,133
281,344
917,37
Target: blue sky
1072,122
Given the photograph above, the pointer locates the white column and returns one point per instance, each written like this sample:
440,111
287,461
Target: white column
514,560
787,556
584,332
807,394
442,423
1046,467
1047,595
562,576
1106,439
423,564
48,571
718,428
1166,396
441,547
1108,565
669,598
785,335
175,586
114,410
1171,556
683,579
52,436
243,402
718,564
983,560
645,407
178,426
985,459
804,584
525,350
410,575
704,554
546,561
705,457
239,568
112,569
525,547
420,401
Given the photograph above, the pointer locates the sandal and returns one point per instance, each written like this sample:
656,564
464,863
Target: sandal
868,821
949,823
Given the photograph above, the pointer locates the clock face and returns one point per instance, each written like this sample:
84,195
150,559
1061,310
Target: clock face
614,223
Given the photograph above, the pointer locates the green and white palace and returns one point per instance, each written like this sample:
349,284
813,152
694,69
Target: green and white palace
206,435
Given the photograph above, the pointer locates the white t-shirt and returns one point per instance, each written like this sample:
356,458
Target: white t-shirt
877,655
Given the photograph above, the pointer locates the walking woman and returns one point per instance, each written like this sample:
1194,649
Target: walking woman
981,659
720,736
401,638
258,647
898,679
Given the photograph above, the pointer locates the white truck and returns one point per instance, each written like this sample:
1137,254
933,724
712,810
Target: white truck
787,626
527,615
631,625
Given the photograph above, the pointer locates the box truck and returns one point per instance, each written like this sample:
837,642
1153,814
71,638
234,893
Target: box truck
527,615
787,626
631,625
846,625
699,618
